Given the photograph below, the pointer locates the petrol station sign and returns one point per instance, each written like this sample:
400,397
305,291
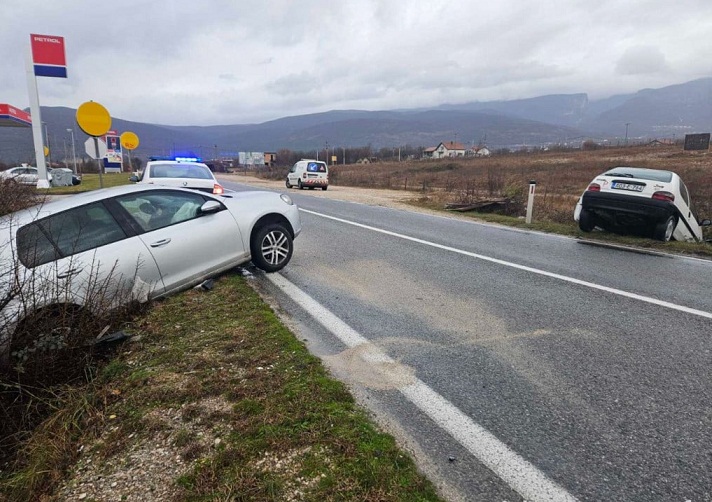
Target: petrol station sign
48,56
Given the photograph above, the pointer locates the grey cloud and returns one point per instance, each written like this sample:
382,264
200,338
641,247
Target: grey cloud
642,61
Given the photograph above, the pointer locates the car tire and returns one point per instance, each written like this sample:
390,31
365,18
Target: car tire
287,183
271,247
299,185
586,221
324,188
663,230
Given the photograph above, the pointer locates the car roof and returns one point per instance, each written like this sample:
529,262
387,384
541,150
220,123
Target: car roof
174,162
70,201
644,173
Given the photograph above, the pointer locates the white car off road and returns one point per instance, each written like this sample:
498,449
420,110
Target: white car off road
642,201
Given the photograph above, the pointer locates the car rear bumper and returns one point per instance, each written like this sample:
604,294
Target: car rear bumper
613,205
314,182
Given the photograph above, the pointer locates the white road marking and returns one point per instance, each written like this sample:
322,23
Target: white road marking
619,292
519,474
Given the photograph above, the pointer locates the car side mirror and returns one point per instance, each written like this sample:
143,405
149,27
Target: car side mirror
705,223
211,206
133,179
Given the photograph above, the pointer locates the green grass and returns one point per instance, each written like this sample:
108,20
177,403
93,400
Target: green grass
222,363
91,182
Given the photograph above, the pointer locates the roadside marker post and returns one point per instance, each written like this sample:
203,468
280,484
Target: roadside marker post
530,201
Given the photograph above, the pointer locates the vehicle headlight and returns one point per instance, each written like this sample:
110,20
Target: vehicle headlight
286,198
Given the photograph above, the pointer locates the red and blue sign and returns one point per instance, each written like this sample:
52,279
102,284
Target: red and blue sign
14,117
48,56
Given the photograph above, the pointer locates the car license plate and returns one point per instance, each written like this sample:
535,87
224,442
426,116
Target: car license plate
627,186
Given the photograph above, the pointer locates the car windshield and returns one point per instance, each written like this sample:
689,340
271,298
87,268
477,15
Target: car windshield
181,171
640,173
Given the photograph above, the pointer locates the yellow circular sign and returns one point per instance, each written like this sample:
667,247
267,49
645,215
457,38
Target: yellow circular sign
93,119
46,151
129,140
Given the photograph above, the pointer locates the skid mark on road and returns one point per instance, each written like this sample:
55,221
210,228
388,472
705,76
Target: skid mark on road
363,365
572,280
522,476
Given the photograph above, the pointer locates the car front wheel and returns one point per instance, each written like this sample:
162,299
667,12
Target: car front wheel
287,183
271,247
586,222
663,230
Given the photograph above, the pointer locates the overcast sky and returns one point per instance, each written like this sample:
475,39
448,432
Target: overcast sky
213,62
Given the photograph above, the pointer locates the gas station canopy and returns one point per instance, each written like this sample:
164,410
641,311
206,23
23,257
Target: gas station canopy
14,117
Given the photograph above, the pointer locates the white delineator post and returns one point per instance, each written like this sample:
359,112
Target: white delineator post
530,201
43,180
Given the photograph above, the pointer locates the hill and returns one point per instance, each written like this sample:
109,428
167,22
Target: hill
554,119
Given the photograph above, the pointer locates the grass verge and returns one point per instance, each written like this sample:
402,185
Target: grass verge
92,182
698,249
214,386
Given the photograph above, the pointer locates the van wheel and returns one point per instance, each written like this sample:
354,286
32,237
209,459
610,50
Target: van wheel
663,230
324,187
287,183
299,185
271,247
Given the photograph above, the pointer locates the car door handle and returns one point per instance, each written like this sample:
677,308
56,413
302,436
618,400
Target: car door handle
160,243
69,273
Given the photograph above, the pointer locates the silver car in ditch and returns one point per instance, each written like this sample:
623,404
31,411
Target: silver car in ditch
106,248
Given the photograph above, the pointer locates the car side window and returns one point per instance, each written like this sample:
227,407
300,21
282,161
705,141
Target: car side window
293,169
33,246
67,233
159,209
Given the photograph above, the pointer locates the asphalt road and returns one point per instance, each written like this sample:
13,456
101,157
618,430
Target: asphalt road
588,366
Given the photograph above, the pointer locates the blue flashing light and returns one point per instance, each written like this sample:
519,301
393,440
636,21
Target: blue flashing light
177,159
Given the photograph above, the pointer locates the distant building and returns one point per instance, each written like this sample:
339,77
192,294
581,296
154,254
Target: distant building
270,159
478,151
429,153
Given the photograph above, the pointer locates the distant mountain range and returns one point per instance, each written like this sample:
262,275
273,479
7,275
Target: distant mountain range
668,112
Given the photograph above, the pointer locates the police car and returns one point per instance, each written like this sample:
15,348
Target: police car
184,172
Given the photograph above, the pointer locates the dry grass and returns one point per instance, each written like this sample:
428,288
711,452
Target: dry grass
560,176
556,173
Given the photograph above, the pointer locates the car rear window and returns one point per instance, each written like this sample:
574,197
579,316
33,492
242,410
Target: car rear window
640,173
316,167
181,171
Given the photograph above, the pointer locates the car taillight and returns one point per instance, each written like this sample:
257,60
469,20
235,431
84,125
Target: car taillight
218,189
594,187
670,197
304,175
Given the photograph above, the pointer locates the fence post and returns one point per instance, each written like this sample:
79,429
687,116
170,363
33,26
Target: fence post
530,201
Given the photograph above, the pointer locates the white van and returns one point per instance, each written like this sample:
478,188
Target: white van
308,173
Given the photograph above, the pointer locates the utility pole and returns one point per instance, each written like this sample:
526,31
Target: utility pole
327,153
626,132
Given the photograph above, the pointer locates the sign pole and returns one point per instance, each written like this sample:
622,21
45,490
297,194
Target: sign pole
100,161
43,180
